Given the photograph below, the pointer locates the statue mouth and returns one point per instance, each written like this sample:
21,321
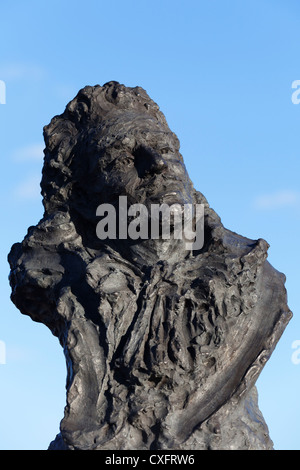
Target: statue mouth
171,197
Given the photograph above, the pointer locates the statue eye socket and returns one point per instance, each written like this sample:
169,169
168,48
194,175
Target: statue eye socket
165,150
129,160
125,160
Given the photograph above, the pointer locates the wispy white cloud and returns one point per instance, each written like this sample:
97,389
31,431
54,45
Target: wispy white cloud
29,189
32,152
21,71
278,199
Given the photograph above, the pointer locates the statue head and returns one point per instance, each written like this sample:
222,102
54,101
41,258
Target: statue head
113,141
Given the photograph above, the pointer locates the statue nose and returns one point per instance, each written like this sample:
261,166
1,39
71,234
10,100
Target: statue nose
148,160
158,163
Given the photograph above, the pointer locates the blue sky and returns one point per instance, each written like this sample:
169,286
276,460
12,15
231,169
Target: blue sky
222,74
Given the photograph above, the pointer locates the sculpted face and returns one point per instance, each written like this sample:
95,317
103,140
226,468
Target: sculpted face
144,164
147,168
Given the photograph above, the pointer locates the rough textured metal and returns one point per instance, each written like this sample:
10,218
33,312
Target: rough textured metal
163,346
